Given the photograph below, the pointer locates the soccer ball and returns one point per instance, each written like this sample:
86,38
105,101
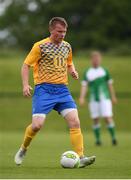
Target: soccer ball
70,159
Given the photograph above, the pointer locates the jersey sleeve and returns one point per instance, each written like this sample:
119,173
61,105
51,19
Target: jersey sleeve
69,59
108,77
33,56
84,81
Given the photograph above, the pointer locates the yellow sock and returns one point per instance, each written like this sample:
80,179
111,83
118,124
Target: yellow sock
29,134
77,140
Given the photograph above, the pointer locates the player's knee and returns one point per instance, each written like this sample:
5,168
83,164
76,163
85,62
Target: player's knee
109,120
37,123
74,124
37,126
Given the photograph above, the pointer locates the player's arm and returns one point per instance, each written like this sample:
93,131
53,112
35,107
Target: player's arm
111,88
83,92
25,80
112,93
70,66
72,71
31,59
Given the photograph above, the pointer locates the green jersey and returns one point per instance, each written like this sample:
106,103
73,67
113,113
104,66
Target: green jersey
97,80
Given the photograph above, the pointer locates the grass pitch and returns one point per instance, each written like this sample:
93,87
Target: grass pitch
42,159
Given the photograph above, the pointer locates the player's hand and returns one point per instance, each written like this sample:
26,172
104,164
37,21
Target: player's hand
114,100
27,91
81,101
75,75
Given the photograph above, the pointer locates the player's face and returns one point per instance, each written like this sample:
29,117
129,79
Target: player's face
58,33
96,60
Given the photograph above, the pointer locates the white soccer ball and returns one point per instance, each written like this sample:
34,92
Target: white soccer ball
70,159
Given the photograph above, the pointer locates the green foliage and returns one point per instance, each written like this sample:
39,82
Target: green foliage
102,24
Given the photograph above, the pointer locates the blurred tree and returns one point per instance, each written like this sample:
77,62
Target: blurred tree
93,24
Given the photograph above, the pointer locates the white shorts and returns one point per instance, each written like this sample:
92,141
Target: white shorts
101,108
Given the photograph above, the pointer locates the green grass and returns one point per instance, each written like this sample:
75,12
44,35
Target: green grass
12,101
42,160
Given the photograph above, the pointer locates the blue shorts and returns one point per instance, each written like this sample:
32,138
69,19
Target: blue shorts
51,96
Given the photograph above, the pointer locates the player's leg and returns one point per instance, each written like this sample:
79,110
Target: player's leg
75,131
106,110
40,107
67,108
94,108
30,132
97,131
111,129
32,129
72,119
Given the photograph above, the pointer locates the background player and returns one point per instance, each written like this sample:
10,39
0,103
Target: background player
51,58
99,82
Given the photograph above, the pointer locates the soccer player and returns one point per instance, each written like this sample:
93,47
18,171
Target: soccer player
101,96
51,59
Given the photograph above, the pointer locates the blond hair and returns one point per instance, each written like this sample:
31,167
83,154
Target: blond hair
57,20
95,53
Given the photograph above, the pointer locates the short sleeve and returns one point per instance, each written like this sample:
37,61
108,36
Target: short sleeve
69,59
84,81
108,77
33,56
